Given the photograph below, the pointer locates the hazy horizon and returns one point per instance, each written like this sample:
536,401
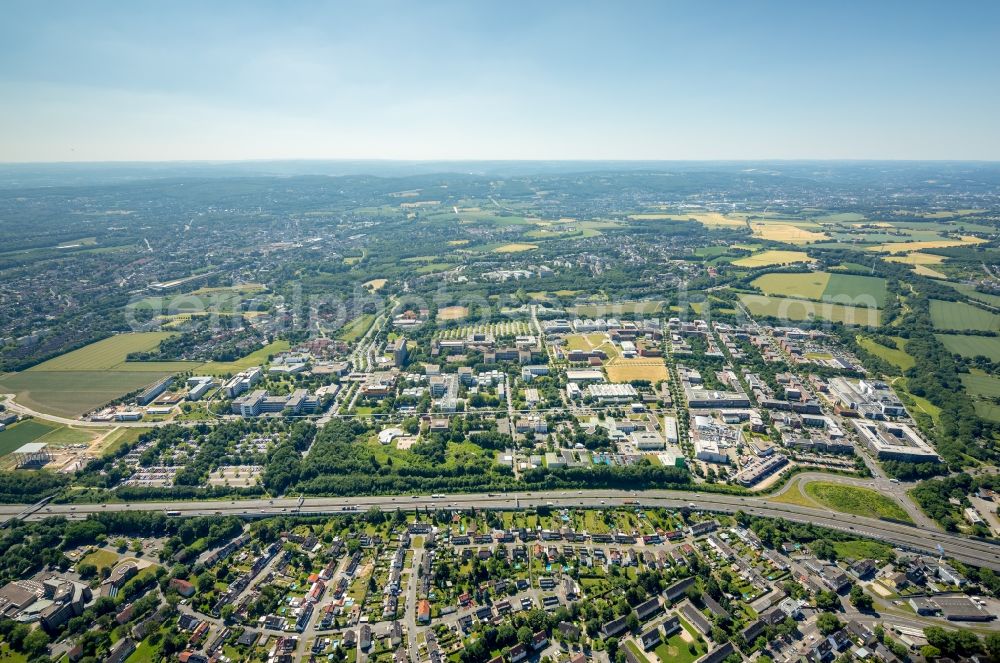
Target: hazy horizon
452,81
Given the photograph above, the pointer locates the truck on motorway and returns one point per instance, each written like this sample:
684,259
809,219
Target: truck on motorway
173,513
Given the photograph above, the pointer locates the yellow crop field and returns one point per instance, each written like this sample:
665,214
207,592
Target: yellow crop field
626,370
769,258
785,232
917,258
907,247
515,248
452,313
376,284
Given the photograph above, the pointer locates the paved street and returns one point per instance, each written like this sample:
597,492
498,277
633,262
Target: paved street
965,549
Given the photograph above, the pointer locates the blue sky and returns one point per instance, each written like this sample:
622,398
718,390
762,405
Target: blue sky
83,81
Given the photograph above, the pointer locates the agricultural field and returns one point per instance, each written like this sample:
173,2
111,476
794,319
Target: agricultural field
707,219
858,501
109,354
84,379
971,346
772,258
375,284
22,433
810,285
856,290
787,233
985,392
625,370
785,308
515,248
970,292
959,316
907,247
72,393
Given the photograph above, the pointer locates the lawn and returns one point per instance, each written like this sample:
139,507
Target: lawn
255,358
894,356
859,501
799,309
101,558
771,258
971,346
863,549
356,328
961,316
23,432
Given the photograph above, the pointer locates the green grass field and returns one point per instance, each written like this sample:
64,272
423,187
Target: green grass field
863,549
971,293
255,358
810,285
798,309
982,385
856,290
845,289
895,356
771,258
960,316
108,354
71,393
971,346
859,501
356,328
23,432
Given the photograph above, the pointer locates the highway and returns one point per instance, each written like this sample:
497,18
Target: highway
962,548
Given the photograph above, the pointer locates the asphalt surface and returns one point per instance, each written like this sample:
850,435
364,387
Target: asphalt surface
963,548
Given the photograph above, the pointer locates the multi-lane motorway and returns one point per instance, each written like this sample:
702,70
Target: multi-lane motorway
965,549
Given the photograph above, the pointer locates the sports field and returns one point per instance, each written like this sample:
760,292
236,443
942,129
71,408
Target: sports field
786,308
960,316
771,258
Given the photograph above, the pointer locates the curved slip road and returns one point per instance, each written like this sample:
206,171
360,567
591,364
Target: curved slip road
965,549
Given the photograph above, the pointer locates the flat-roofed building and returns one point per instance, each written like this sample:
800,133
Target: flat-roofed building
895,441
